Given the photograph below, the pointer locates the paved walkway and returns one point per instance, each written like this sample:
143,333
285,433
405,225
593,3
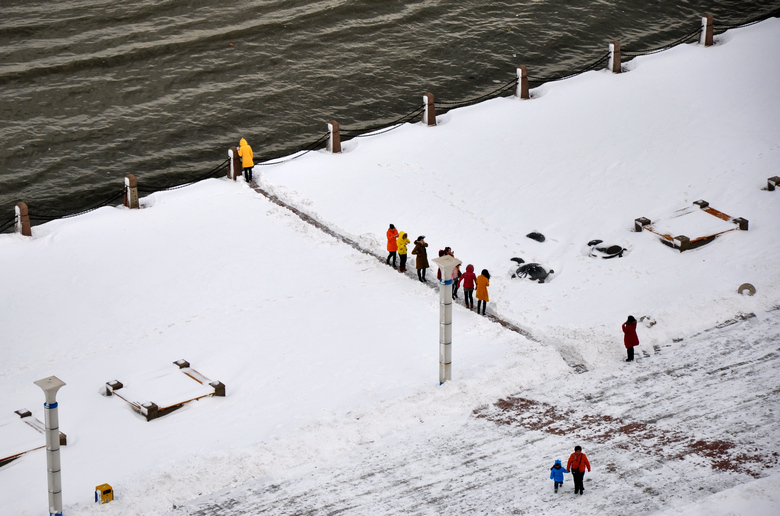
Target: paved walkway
688,419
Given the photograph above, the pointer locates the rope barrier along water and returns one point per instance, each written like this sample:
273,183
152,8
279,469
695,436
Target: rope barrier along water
47,217
382,128
679,41
44,217
470,102
5,226
593,66
475,100
214,172
313,145
772,14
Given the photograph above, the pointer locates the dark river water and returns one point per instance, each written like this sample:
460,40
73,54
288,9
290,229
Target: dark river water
93,90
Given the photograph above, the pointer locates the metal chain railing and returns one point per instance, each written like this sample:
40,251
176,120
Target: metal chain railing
313,145
592,66
214,172
43,217
446,106
679,41
772,14
383,128
8,224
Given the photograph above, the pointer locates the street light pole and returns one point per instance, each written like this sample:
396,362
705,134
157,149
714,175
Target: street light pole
446,263
50,387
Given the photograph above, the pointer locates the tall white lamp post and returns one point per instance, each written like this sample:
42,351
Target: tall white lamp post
50,387
446,263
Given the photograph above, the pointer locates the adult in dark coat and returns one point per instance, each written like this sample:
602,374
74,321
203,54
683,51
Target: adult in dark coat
629,337
421,263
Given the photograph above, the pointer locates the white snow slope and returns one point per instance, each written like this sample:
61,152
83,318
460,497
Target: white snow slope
330,358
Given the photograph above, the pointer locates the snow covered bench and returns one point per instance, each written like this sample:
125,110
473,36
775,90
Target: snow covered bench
699,219
170,389
22,435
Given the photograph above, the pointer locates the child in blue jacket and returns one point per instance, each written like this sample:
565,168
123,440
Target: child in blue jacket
556,474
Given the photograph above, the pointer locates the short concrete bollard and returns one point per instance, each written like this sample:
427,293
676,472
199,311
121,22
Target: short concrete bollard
522,83
131,192
614,57
640,223
682,242
429,114
334,140
23,219
235,167
706,30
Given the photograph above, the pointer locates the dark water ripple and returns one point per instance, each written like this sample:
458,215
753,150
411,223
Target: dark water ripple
91,91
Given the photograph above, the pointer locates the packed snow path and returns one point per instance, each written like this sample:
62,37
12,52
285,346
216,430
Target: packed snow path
355,245
688,419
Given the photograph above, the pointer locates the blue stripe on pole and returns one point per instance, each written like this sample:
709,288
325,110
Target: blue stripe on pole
448,282
52,406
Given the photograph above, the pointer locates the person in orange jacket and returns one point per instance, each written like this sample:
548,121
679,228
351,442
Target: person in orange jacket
245,153
576,466
483,282
392,244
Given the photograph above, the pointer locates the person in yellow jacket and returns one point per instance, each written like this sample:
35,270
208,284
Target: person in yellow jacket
402,242
245,153
483,282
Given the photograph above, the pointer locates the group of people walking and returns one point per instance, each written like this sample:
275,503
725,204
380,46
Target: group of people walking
577,464
397,242
397,246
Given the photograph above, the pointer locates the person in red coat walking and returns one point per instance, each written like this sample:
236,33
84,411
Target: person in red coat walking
629,337
392,244
577,464
469,280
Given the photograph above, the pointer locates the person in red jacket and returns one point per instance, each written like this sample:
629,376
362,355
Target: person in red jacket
629,337
469,280
392,244
576,466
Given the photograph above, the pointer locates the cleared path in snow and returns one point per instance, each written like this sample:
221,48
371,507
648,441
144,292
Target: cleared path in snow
578,367
689,419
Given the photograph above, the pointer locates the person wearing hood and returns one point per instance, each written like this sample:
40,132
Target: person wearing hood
469,280
392,244
402,242
556,474
483,282
421,263
455,274
629,337
245,153
447,251
576,466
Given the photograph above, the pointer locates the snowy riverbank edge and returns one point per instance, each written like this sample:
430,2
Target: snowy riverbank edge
216,274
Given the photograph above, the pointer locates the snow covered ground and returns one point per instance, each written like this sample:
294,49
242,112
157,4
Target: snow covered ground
330,358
